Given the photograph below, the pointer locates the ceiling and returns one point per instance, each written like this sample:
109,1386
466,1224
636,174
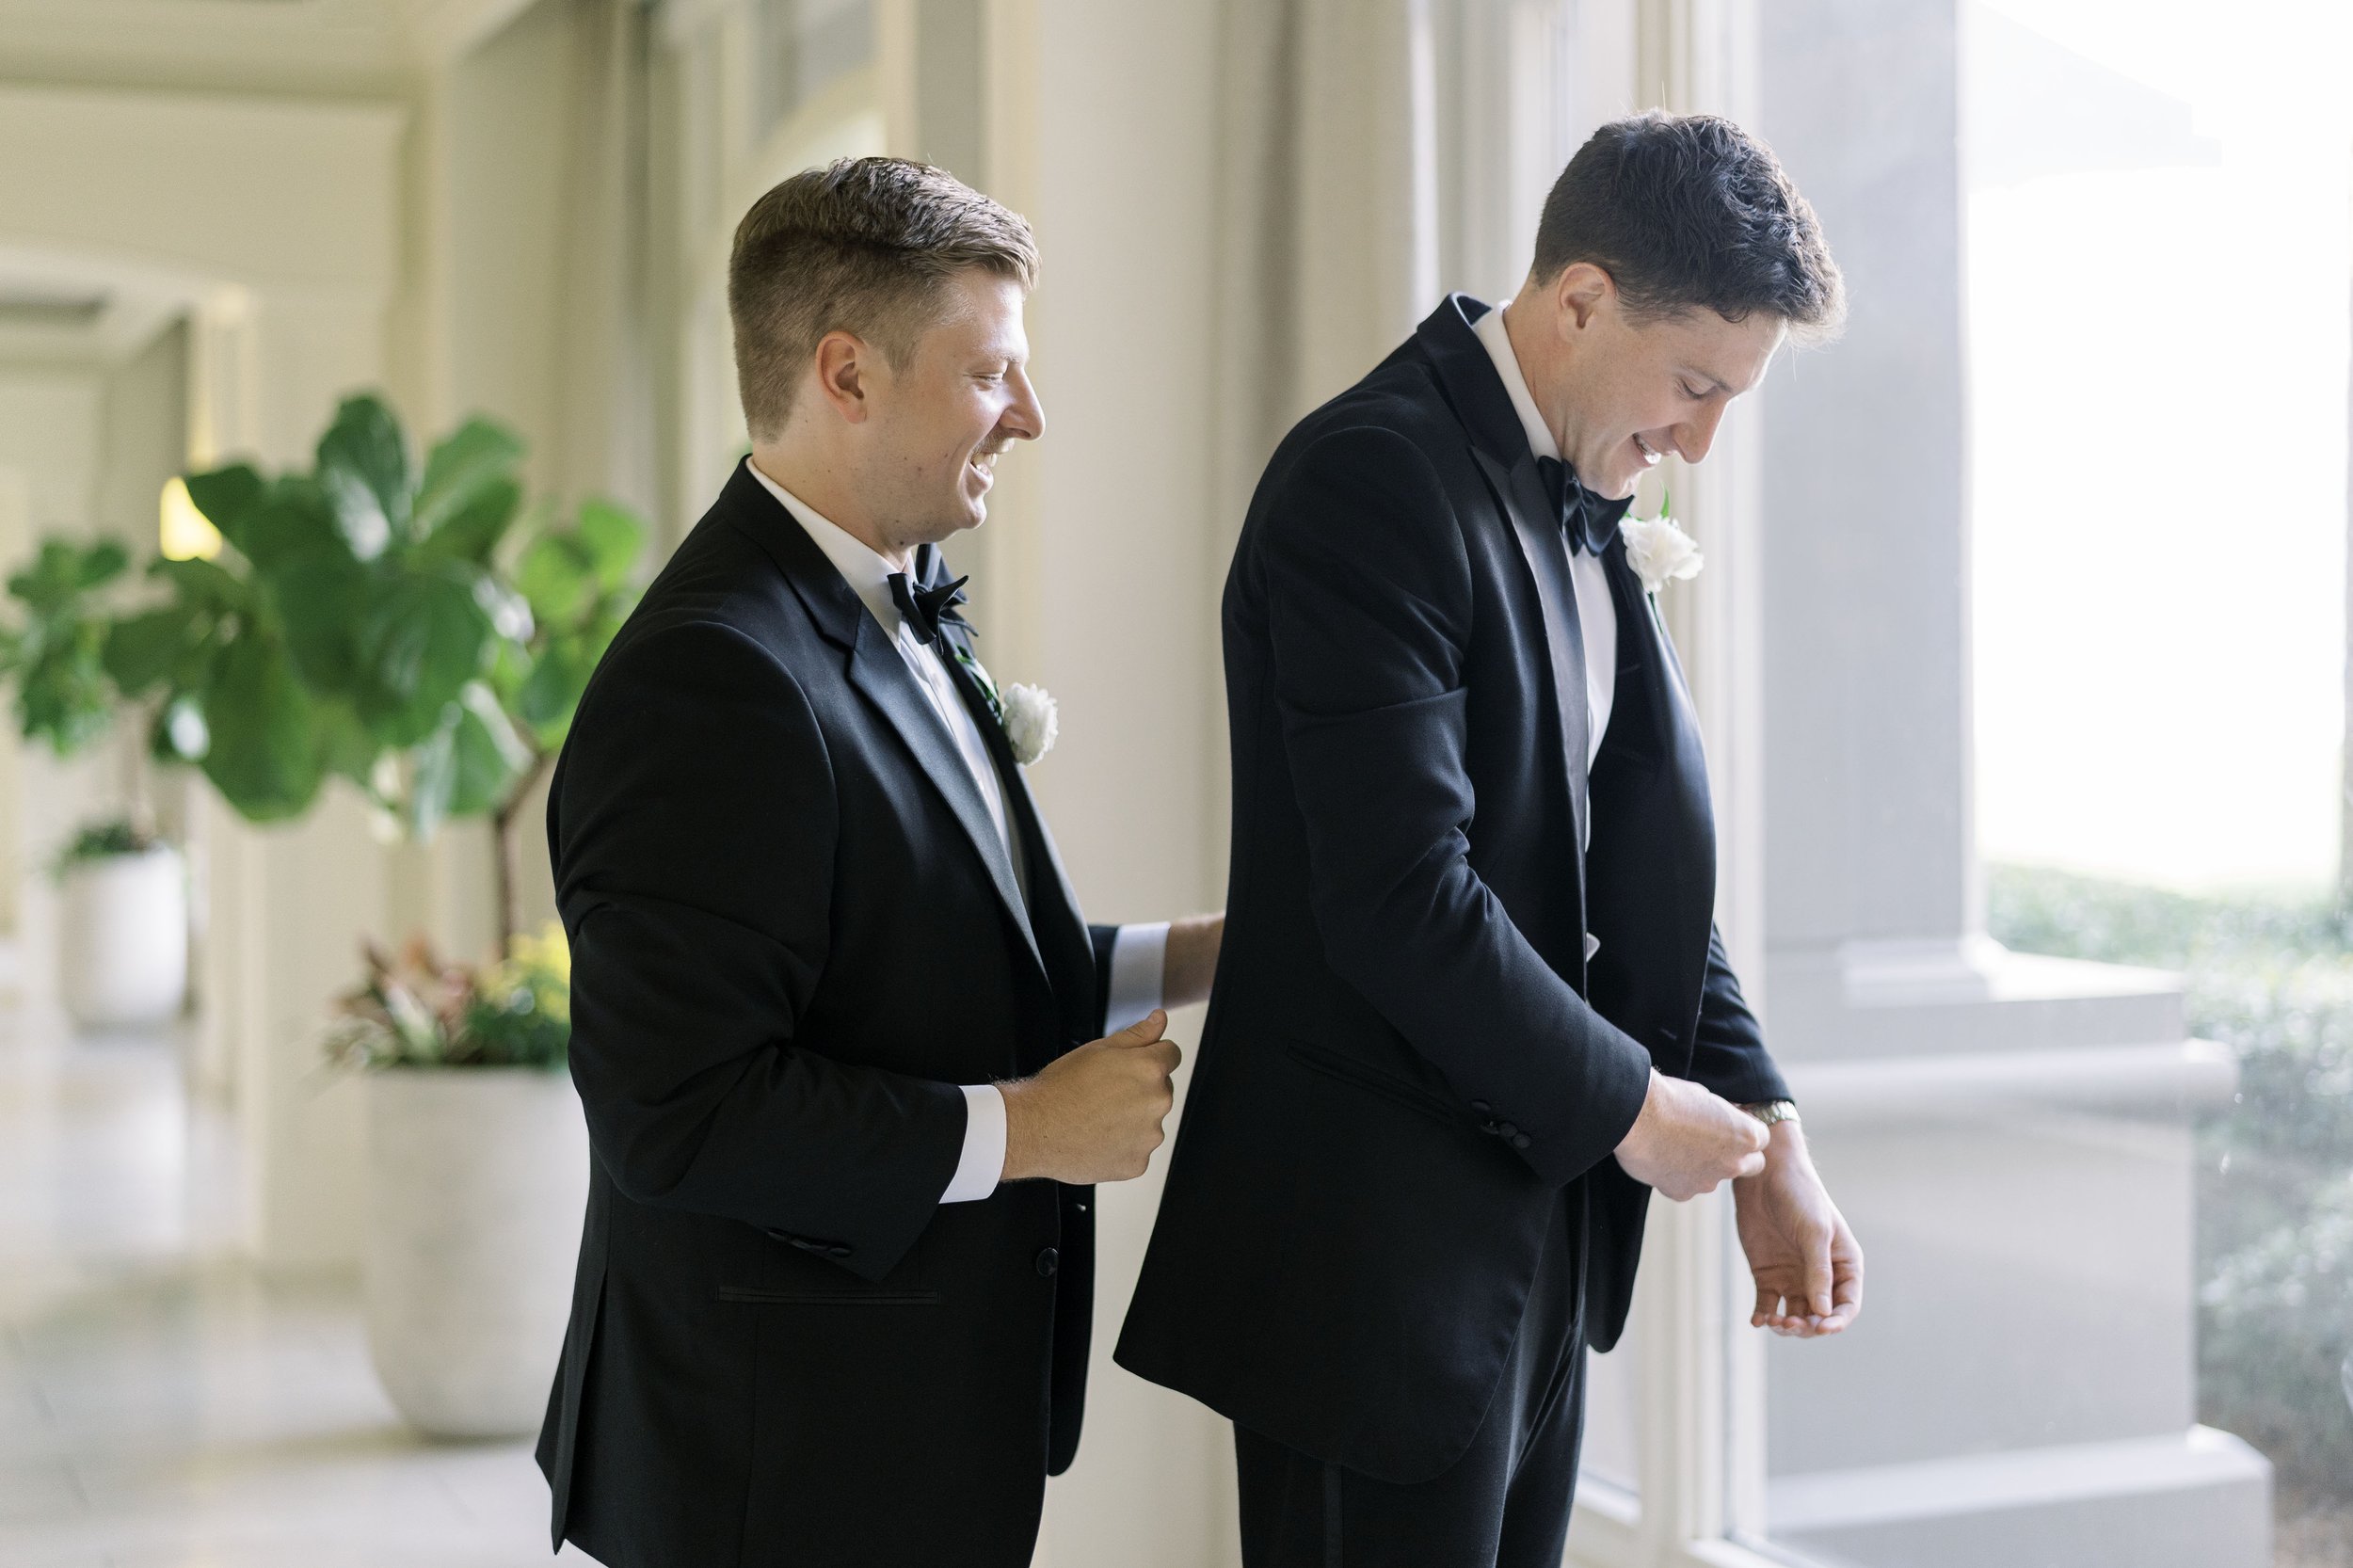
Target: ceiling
310,48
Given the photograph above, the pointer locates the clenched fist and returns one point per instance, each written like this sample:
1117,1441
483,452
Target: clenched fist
1690,1141
1094,1115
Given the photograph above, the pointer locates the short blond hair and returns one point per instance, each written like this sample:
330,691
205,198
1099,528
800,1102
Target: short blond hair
864,246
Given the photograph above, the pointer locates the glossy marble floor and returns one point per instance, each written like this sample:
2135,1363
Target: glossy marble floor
160,1405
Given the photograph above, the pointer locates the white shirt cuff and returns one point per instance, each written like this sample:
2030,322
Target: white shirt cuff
983,1164
1139,973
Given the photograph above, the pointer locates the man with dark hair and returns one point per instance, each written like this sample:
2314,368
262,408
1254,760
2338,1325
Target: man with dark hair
1475,1009
828,978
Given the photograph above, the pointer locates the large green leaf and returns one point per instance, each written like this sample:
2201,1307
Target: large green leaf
205,584
465,768
489,754
293,516
143,650
348,748
558,577
421,639
264,755
472,460
364,464
552,690
224,495
611,539
472,531
320,594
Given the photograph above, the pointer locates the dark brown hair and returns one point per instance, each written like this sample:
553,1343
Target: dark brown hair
862,246
1684,211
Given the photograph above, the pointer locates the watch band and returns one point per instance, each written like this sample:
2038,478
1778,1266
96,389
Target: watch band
1772,1111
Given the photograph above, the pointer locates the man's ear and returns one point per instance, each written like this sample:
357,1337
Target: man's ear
845,373
1579,292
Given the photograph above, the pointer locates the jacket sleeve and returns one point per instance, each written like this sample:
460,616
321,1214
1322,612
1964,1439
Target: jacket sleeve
1729,1055
1368,596
1102,940
693,832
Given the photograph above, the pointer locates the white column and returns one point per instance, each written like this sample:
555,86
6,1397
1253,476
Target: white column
2009,1135
1095,579
288,904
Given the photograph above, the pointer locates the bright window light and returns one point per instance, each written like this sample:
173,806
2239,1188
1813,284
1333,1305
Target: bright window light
186,534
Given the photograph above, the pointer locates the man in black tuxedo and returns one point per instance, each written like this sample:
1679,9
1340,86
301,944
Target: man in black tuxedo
1475,1007
828,978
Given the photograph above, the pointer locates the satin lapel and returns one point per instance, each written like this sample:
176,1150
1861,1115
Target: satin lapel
1058,928
1643,649
1683,763
883,677
1547,556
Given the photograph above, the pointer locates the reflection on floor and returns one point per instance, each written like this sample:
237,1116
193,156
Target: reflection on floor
160,1406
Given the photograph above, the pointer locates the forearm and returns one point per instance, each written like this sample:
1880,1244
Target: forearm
1728,1054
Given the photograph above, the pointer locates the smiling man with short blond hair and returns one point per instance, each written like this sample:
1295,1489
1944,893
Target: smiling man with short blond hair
829,982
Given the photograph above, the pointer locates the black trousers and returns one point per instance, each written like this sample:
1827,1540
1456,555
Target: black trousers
1504,1504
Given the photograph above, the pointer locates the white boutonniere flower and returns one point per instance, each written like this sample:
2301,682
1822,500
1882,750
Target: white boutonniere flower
1031,721
1027,714
1659,551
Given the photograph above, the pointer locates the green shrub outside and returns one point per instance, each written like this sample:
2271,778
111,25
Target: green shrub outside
2270,975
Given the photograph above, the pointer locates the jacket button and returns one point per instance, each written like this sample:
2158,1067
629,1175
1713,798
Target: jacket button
1048,1261
1519,1140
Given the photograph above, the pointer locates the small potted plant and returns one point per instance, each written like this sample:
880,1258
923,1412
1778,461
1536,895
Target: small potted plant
122,946
122,938
478,1175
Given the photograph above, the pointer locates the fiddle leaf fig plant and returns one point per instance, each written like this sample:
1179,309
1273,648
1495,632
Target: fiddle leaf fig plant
371,619
58,656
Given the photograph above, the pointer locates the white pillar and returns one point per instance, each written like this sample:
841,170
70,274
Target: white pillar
2009,1135
288,904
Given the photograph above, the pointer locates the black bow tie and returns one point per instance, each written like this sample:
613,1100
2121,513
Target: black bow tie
926,610
1590,521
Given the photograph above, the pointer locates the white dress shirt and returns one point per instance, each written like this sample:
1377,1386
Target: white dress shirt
1138,952
1596,615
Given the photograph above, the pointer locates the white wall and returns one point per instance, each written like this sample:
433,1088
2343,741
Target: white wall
1120,574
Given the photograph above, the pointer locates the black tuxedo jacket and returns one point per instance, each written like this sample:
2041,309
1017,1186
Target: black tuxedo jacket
794,932
1408,1057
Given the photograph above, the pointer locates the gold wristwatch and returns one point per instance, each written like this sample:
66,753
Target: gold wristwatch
1771,1111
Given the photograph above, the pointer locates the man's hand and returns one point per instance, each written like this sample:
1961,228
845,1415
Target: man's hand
1190,962
1688,1141
1808,1268
1094,1115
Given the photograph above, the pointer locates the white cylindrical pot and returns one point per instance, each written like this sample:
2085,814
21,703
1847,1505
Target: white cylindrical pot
477,1180
122,940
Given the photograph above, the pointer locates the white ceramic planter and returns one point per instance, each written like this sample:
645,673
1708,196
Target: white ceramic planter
477,1180
123,940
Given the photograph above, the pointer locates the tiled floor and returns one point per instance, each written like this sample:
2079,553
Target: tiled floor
162,1407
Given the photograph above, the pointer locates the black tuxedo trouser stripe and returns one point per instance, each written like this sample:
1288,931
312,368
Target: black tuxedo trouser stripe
1504,1504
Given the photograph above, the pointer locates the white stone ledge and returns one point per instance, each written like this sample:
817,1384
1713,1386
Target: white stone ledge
2180,1075
2019,1478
